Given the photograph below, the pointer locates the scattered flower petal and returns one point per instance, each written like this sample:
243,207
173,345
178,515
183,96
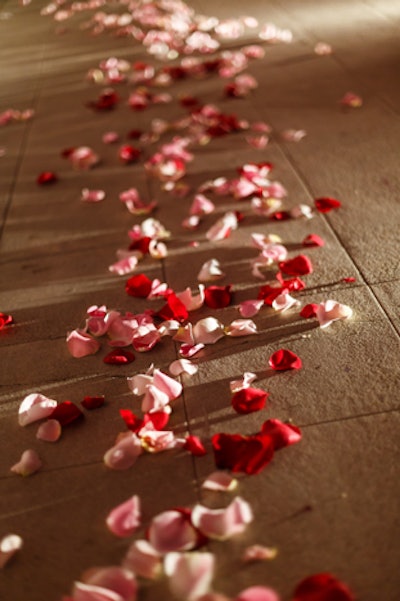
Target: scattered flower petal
259,553
125,519
300,265
249,308
66,413
208,330
282,434
220,481
143,560
244,382
247,454
92,195
119,356
124,453
248,400
330,311
241,327
29,463
218,297
172,531
284,359
9,546
190,574
351,100
211,270
138,286
81,344
50,430
309,311
322,587
194,445
5,320
258,593
222,524
183,366
35,407
326,204
46,177
313,240
93,402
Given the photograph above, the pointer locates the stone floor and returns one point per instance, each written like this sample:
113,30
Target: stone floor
329,503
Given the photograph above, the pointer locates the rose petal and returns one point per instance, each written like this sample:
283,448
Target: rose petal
201,205
247,454
244,382
93,402
9,546
249,308
192,302
90,592
50,430
313,240
142,559
172,531
218,297
223,523
282,434
92,195
81,344
183,366
124,453
173,309
5,320
248,400
208,330
326,204
283,302
171,387
46,177
190,574
34,407
258,593
241,327
138,384
330,311
309,311
284,359
322,587
29,463
119,356
220,481
66,413
352,100
259,553
138,286
300,265
211,270
125,518
194,445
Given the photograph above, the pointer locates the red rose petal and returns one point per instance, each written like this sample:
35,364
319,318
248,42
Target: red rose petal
46,177
92,402
300,265
66,413
313,240
247,454
326,204
269,293
159,419
280,216
282,434
284,359
218,297
5,320
129,154
194,445
173,309
106,101
322,587
309,310
249,399
142,244
349,280
134,134
292,285
132,421
138,285
119,356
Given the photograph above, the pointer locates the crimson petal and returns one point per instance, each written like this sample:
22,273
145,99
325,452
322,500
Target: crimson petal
129,154
194,445
309,311
66,413
326,204
173,309
159,419
141,244
5,320
247,454
46,177
132,421
119,356
248,400
138,285
322,587
93,402
313,240
282,434
300,265
284,359
218,297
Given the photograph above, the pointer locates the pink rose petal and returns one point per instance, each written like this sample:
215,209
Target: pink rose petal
172,531
330,311
244,382
143,560
92,195
50,430
259,553
81,344
191,301
258,593
35,407
125,519
223,523
183,366
210,271
241,327
171,387
29,463
220,481
115,579
91,592
9,546
124,453
208,330
190,574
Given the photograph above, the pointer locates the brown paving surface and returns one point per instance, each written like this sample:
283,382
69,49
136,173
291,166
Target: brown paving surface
329,503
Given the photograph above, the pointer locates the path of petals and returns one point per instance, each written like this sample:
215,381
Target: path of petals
173,542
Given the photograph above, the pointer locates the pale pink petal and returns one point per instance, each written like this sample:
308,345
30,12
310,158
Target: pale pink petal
166,384
258,142
125,519
143,560
110,137
185,334
9,546
169,327
81,344
154,399
83,157
29,463
210,271
262,241
92,195
220,481
222,228
201,205
244,382
50,430
190,574
261,127
91,592
223,523
115,579
208,330
283,302
302,210
126,265
259,553
241,327
156,441
124,453
322,48
330,311
35,407
138,384
352,100
171,531
192,222
257,593
154,229
273,34
157,250
183,366
249,308
191,301
145,338
293,135
189,350
265,206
